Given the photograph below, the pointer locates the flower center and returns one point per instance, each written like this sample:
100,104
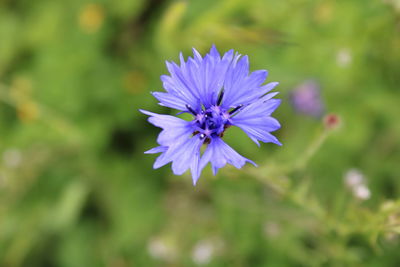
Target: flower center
211,122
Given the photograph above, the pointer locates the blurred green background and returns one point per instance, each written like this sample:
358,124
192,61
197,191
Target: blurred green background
77,190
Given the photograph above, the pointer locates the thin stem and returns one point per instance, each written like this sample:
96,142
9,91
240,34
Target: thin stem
302,162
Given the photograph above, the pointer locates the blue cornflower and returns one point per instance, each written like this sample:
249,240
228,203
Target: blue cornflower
219,93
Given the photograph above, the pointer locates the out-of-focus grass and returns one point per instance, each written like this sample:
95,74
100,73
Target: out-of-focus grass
76,189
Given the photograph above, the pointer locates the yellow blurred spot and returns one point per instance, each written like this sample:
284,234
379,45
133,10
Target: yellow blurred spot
323,12
27,111
91,18
21,95
134,82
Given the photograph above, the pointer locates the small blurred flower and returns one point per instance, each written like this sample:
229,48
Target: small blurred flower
353,177
343,57
332,121
12,158
362,192
219,92
91,18
202,252
355,182
306,99
161,250
205,250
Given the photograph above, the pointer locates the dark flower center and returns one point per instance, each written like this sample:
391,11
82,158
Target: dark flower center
211,122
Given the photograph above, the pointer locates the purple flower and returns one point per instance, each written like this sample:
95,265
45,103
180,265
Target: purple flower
306,99
219,93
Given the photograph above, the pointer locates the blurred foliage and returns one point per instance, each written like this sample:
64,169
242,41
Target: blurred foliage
76,189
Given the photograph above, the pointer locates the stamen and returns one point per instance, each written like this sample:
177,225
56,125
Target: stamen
221,95
191,110
235,109
202,136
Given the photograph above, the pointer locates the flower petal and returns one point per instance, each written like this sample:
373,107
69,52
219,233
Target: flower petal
155,150
173,127
207,75
179,85
256,122
254,94
236,73
219,154
241,88
170,100
184,154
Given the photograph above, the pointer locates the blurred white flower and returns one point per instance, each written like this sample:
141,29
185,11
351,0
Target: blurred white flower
203,252
343,57
362,192
160,250
355,182
12,158
353,177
